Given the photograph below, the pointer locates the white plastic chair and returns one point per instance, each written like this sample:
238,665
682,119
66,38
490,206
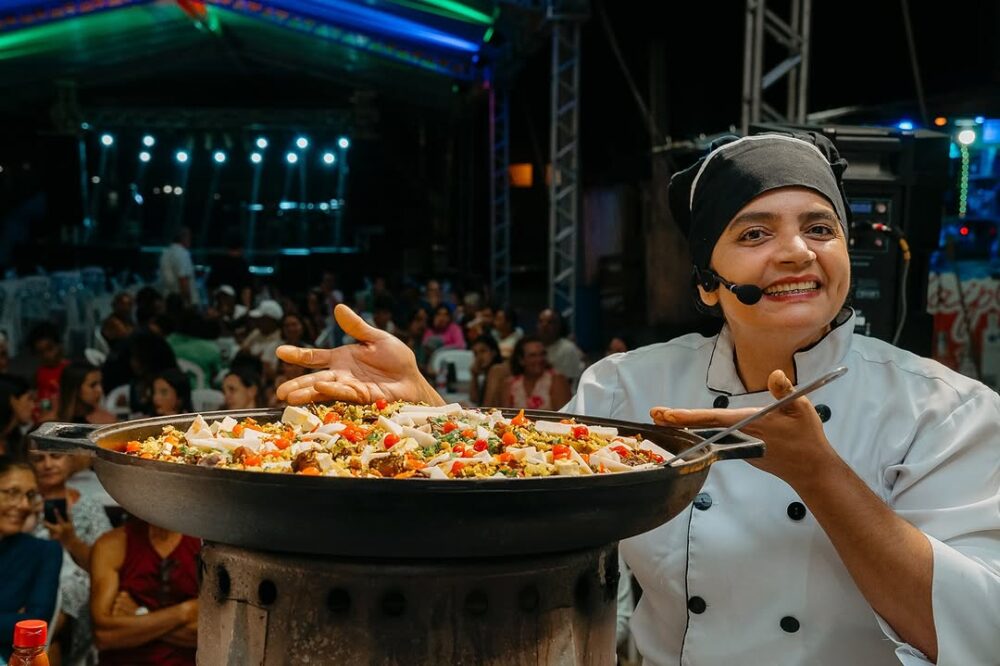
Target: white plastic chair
95,356
117,401
207,400
100,344
194,371
461,358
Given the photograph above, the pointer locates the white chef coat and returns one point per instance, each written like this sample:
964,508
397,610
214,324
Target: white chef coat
749,577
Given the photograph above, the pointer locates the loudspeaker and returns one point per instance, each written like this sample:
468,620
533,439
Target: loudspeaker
895,183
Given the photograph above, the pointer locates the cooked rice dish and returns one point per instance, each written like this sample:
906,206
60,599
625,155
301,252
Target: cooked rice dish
402,440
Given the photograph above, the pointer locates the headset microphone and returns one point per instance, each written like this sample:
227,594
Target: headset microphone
747,294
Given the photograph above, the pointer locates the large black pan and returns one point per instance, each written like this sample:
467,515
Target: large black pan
393,518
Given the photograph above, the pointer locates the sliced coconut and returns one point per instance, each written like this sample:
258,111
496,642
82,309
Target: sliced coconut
603,431
484,434
303,418
199,429
300,447
627,442
657,449
267,447
319,436
227,424
402,419
325,461
568,468
394,428
575,456
407,445
482,456
554,428
451,408
439,458
434,473
332,428
423,438
519,452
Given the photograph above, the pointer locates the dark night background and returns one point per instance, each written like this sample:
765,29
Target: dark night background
418,182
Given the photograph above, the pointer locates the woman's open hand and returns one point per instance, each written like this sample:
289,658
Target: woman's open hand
796,445
378,366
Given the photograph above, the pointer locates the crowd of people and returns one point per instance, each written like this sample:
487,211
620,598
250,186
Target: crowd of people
120,591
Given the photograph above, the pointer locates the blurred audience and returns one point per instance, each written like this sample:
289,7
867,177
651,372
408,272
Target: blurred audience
45,343
533,383
563,355
17,416
29,585
266,336
4,354
75,521
120,323
149,355
293,330
171,393
143,598
506,331
486,356
242,388
81,396
177,269
443,332
194,341
616,345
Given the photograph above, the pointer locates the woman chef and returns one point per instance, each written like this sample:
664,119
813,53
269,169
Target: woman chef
871,527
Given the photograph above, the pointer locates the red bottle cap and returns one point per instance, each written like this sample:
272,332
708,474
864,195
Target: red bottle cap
30,633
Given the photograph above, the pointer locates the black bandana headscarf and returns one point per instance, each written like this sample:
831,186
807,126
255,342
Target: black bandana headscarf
706,196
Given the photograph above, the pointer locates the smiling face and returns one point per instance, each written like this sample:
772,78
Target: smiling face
789,243
51,468
17,488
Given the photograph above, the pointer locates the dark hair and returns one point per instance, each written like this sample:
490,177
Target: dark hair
44,330
11,387
193,324
249,378
70,383
516,366
181,385
10,463
490,342
446,309
510,314
248,361
153,353
146,300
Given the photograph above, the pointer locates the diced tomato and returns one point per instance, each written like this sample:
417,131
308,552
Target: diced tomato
331,417
251,461
468,453
480,445
580,432
458,448
390,440
171,439
310,471
238,429
132,446
509,438
560,452
586,457
381,404
457,467
282,443
520,419
505,457
354,434
656,457
621,450
449,426
468,433
413,463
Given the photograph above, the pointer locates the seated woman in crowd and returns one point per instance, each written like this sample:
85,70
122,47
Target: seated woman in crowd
76,528
119,324
81,395
506,330
171,393
149,355
17,409
29,584
488,372
533,384
143,596
242,388
443,333
293,328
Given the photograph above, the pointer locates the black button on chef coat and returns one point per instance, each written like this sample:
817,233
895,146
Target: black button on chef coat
796,510
702,501
721,402
697,605
824,413
789,624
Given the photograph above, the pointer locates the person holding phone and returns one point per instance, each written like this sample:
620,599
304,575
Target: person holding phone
75,521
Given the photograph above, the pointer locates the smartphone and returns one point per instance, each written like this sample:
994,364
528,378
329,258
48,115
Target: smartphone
52,506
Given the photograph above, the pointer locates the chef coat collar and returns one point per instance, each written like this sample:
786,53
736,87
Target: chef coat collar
810,362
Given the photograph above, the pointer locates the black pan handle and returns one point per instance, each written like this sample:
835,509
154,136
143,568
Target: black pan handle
65,437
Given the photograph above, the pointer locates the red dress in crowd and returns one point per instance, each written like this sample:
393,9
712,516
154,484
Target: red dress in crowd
155,583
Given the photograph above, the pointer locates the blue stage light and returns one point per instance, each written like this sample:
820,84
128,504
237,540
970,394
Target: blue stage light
261,142
292,158
182,156
329,158
905,125
256,158
148,141
144,156
107,139
219,157
344,142
302,143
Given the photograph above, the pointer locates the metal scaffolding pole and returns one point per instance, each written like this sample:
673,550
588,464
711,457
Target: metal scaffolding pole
499,196
793,35
564,192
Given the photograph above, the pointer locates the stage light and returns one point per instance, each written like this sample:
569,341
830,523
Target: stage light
95,180
980,120
182,156
144,156
967,137
178,190
256,158
302,143
261,142
148,141
905,125
940,121
219,157
168,189
329,158
107,139
343,142
292,158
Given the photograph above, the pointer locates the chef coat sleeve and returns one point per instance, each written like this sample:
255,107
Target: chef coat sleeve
597,391
948,486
